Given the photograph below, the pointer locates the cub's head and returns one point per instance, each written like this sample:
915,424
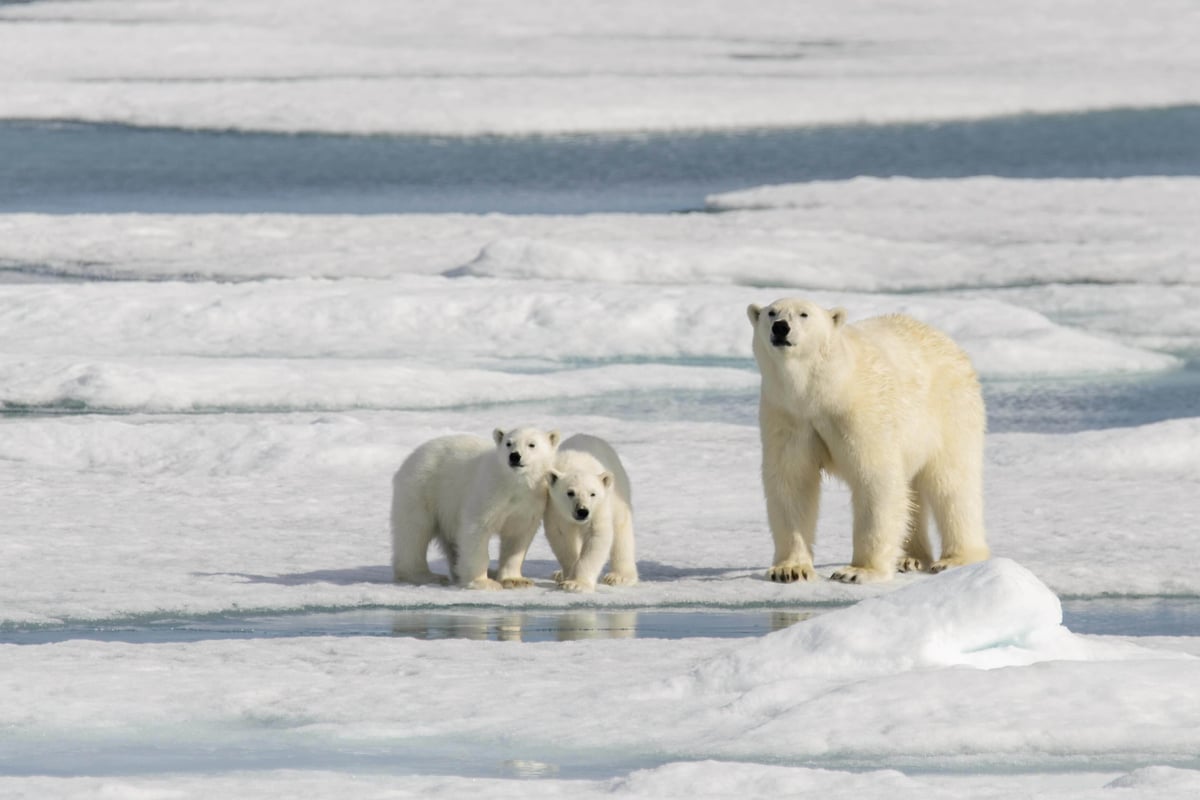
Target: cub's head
578,493
792,327
526,449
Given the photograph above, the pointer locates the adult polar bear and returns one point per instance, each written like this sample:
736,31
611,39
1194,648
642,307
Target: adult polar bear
891,406
459,491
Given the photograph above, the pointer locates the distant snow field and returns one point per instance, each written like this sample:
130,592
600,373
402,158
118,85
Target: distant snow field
200,413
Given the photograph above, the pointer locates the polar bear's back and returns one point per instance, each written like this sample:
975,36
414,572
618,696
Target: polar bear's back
443,468
913,351
581,448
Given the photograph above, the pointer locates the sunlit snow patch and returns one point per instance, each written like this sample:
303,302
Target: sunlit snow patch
992,614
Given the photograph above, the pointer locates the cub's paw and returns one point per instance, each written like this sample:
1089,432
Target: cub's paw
516,583
557,576
859,575
619,579
910,564
578,587
791,571
486,584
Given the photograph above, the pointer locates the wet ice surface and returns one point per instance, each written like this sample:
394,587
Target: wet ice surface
1099,616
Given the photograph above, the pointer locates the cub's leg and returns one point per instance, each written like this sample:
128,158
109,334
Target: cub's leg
597,544
413,528
514,544
565,543
622,564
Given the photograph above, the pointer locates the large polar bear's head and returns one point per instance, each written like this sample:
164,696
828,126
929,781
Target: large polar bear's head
527,450
578,489
792,327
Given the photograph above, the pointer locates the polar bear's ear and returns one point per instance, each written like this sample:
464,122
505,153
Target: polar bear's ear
498,435
553,476
554,436
838,315
753,312
606,478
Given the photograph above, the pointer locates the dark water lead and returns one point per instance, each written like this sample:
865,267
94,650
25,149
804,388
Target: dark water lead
1112,616
70,167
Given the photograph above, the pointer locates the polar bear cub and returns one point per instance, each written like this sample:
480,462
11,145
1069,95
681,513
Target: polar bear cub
460,491
589,516
891,406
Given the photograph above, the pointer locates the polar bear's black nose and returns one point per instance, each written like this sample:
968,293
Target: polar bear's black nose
780,329
514,459
581,514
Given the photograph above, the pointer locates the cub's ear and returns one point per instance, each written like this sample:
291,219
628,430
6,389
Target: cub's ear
838,315
553,476
498,435
753,312
607,479
554,436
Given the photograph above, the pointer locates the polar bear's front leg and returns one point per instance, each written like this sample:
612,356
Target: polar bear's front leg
597,544
514,544
564,544
881,520
792,515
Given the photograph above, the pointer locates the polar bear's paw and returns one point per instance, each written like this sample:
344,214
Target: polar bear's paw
557,576
516,583
619,579
910,564
487,584
859,575
578,587
791,571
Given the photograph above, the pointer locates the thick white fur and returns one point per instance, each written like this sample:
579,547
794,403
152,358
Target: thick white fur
460,491
891,406
588,477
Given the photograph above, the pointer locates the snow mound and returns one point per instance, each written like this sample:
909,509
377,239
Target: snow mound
992,614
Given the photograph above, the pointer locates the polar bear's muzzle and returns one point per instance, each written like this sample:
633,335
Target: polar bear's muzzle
779,333
514,460
581,513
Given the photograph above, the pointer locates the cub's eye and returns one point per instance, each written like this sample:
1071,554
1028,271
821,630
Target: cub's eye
771,314
508,444
571,493
804,313
593,494
532,445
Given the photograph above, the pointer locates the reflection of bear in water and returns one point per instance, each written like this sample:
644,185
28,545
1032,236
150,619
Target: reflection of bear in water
460,491
589,516
891,406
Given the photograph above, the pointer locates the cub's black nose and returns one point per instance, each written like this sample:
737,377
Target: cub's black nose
514,459
581,513
780,329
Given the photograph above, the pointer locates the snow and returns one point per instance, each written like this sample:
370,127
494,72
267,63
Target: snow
617,65
200,414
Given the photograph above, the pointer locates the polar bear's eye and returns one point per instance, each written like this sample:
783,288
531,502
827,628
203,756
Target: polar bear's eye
804,314
593,494
771,313
532,445
571,493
